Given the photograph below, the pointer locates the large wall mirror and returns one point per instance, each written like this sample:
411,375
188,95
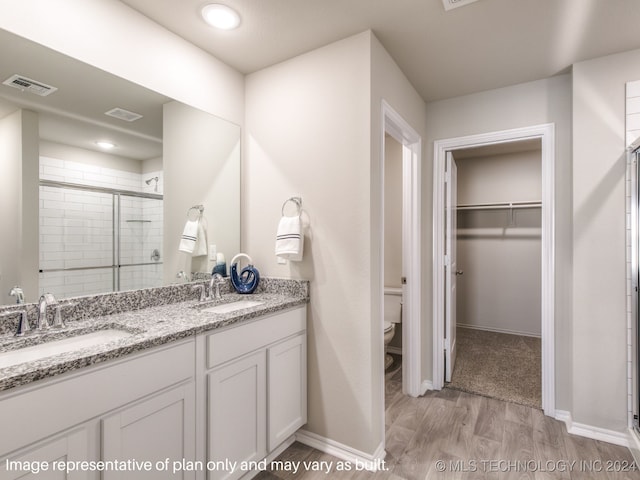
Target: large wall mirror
81,218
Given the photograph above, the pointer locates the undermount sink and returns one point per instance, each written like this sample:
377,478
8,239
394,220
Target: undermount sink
56,347
232,307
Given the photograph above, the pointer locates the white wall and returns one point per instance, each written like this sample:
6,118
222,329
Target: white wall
392,212
93,32
393,221
533,103
307,133
500,256
19,180
389,83
201,158
599,302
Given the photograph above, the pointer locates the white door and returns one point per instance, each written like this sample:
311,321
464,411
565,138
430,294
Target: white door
451,273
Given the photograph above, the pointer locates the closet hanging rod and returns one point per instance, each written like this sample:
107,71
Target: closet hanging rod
499,205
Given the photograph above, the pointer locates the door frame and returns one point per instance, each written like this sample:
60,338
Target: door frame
403,133
546,133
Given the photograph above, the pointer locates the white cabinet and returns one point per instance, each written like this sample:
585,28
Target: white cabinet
287,374
44,461
237,413
257,389
232,395
139,407
159,428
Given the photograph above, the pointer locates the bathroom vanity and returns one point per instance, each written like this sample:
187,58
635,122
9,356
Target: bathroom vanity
191,393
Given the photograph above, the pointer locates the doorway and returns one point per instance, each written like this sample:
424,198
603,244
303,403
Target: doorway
495,251
444,304
395,128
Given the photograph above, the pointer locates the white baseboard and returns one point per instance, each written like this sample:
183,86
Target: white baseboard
498,330
343,452
634,444
589,431
425,386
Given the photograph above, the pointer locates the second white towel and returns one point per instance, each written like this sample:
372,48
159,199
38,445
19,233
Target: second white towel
189,236
289,239
194,239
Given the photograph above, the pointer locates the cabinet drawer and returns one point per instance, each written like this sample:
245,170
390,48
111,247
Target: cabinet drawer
234,342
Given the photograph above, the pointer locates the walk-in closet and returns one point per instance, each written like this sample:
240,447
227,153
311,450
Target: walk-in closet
498,243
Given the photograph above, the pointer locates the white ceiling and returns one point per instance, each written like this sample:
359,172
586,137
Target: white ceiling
484,45
74,114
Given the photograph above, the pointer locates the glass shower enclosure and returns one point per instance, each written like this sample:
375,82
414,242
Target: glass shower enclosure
633,282
96,240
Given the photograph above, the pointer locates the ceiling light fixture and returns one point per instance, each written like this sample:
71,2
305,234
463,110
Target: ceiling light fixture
105,144
220,16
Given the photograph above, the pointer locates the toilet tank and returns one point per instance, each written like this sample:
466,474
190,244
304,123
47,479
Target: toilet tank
393,304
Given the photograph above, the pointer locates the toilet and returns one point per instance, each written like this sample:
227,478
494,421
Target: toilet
392,316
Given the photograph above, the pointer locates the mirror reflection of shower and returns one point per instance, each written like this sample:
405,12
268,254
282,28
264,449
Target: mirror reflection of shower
153,179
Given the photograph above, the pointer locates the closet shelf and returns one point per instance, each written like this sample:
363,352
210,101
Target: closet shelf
499,205
138,221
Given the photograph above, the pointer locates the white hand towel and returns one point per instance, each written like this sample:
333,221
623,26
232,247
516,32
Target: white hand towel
201,247
189,235
289,239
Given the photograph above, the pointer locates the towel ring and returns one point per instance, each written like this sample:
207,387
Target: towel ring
297,201
199,208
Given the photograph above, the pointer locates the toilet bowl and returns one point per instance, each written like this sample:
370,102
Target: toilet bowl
389,332
392,316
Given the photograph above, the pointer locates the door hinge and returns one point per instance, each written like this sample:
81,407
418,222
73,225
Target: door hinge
447,344
447,177
446,260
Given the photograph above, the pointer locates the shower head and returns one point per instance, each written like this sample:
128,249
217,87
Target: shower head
152,179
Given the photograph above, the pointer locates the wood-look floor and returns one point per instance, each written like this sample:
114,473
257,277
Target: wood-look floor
473,437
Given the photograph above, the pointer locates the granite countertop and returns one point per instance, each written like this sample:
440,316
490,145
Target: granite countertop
148,327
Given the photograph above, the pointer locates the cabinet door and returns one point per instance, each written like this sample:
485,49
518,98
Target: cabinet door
71,447
287,376
161,427
237,414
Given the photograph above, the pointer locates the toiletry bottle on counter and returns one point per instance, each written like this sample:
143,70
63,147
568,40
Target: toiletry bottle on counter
220,266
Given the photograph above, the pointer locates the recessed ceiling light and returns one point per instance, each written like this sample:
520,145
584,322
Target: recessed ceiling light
220,16
105,144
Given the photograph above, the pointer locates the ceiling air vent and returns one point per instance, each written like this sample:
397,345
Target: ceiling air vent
29,85
449,4
123,114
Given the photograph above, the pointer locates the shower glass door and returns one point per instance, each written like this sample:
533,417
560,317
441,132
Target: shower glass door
96,240
140,243
634,160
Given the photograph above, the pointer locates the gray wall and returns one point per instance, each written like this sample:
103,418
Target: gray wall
501,286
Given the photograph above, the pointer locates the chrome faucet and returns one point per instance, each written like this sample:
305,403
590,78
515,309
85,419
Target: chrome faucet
202,297
216,279
18,293
58,322
45,300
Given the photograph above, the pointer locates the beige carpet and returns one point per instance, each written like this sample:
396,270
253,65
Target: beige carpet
498,365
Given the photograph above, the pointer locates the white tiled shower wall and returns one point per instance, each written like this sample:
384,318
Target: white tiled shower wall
76,229
632,133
